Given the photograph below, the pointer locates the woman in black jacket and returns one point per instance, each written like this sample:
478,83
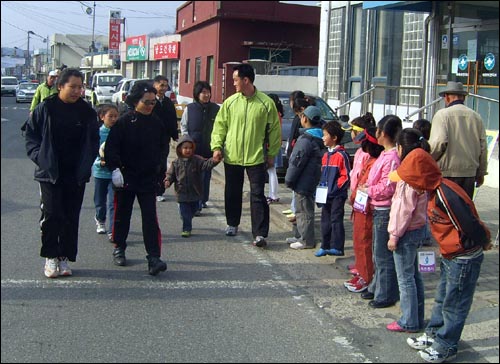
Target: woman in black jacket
198,122
135,151
62,139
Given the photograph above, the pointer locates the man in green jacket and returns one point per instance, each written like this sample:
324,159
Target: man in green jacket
45,89
247,134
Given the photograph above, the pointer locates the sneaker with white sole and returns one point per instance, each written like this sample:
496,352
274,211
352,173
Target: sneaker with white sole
64,269
433,356
359,286
293,240
51,267
351,282
231,230
101,228
419,343
297,245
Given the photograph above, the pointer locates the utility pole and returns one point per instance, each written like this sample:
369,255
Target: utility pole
92,46
48,68
29,56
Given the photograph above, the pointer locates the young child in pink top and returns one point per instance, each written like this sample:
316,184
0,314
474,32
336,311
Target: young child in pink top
407,231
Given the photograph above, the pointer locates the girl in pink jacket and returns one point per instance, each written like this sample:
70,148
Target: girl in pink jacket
380,191
407,231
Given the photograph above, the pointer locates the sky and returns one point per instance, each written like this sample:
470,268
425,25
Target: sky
45,18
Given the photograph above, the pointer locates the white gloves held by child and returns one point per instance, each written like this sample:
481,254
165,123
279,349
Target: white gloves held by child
117,178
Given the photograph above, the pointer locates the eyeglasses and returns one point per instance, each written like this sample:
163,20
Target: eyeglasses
149,102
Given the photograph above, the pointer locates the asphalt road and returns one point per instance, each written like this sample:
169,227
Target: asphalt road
221,299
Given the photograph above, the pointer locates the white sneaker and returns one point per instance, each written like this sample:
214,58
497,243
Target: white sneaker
297,245
421,342
101,228
293,240
160,199
64,269
51,267
433,356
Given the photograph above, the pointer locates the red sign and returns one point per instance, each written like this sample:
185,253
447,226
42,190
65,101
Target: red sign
139,40
166,50
114,38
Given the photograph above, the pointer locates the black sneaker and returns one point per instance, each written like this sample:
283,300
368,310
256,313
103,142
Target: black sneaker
366,295
119,257
259,242
156,265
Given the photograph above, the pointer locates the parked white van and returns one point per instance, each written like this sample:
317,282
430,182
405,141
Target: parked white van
9,85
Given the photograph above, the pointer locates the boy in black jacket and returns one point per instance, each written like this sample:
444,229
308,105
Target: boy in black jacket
303,175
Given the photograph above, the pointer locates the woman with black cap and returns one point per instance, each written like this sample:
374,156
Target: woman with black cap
135,152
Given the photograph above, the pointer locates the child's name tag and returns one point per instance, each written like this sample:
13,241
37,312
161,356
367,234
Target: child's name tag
321,194
426,261
360,202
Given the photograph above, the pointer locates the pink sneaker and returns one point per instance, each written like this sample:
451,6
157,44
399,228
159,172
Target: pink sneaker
354,271
394,326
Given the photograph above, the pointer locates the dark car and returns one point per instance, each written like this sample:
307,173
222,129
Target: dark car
327,114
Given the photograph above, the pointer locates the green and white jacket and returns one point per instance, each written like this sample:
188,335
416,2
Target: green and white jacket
247,129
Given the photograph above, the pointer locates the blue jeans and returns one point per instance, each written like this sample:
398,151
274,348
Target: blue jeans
454,295
386,286
411,286
187,210
104,201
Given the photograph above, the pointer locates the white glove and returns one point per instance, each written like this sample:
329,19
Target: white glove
117,178
101,150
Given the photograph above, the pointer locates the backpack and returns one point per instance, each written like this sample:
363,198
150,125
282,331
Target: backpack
452,199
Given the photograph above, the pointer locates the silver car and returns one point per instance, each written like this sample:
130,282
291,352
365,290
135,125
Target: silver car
25,91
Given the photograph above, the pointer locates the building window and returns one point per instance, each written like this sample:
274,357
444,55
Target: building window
275,54
188,71
197,69
334,56
210,70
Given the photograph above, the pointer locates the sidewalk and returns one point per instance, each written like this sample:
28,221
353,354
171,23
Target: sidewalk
480,338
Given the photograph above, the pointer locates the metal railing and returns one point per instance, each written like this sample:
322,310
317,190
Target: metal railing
348,102
396,102
488,116
396,98
419,110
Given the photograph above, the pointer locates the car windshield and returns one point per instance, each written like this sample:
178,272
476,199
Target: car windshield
109,80
9,81
327,113
28,86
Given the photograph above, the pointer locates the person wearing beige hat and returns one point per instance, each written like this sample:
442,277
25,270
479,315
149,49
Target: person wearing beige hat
45,89
458,140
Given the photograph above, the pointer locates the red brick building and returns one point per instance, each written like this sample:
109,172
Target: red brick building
215,34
